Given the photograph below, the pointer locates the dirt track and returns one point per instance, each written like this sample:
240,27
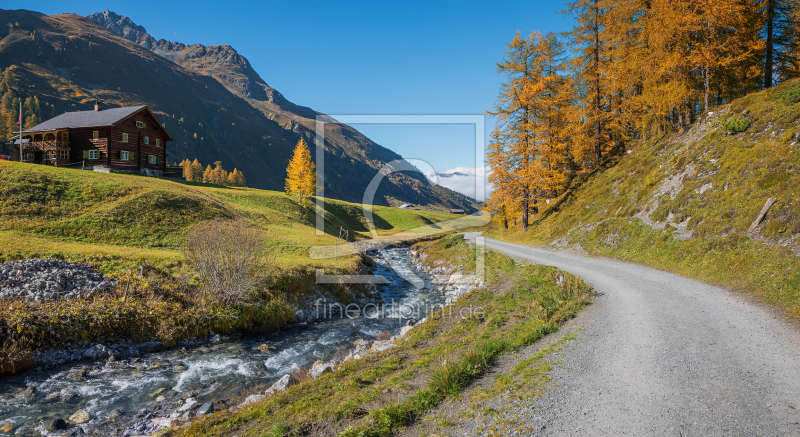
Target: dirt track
660,354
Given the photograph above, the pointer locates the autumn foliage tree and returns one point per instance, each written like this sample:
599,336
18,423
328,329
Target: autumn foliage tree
528,154
193,172
637,69
301,176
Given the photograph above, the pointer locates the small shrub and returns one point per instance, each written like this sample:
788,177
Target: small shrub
452,240
229,257
737,125
790,95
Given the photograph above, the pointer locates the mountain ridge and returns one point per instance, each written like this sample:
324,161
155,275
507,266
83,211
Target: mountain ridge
235,73
69,61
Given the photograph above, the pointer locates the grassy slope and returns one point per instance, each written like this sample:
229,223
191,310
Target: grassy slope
684,203
385,391
119,221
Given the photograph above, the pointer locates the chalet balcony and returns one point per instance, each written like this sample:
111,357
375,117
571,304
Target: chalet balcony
45,145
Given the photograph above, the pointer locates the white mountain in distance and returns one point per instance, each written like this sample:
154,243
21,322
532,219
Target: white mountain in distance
462,180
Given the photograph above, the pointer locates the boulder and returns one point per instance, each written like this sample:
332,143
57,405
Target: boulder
29,394
204,409
252,399
404,330
97,352
80,416
191,402
282,384
321,369
264,348
56,424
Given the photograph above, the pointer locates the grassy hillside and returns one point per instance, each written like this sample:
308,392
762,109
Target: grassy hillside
684,203
118,222
124,220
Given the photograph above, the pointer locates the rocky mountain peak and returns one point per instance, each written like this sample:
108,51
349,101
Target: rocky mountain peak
124,27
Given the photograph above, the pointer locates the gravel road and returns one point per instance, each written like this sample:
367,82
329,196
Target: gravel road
661,354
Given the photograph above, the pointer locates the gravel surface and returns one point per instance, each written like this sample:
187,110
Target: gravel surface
660,354
50,279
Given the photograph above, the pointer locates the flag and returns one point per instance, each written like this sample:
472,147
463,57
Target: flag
20,117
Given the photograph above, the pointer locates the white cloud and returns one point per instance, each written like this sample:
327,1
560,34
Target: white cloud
461,179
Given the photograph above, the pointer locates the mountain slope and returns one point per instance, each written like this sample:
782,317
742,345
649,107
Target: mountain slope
686,202
69,61
234,72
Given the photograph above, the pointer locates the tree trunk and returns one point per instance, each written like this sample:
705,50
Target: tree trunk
770,18
598,151
525,210
706,88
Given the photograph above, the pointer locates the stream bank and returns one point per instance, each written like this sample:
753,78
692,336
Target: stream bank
139,392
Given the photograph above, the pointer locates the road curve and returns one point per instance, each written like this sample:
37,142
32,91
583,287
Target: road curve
660,354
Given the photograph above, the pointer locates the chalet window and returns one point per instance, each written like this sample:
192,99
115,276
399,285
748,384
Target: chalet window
152,159
93,154
139,124
65,137
158,142
62,154
146,139
124,138
123,155
95,135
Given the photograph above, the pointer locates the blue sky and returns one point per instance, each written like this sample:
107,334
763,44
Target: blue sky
359,57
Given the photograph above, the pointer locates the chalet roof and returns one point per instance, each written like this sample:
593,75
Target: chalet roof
104,117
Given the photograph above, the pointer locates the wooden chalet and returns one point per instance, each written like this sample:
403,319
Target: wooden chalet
120,139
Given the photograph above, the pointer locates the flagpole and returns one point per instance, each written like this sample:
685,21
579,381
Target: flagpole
20,130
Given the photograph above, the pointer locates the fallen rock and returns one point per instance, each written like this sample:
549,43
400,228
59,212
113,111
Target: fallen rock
97,352
321,369
404,330
56,424
264,348
80,416
191,402
162,422
29,394
282,384
204,409
252,399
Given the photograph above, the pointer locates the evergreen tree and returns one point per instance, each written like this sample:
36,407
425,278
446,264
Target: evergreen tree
301,177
